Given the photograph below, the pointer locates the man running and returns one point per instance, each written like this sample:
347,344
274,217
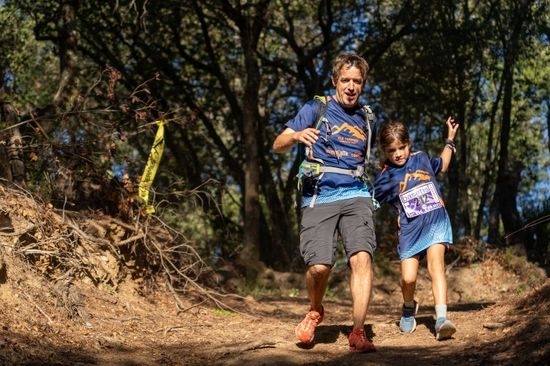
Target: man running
335,198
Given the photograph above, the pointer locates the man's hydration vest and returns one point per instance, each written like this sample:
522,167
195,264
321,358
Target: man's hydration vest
312,169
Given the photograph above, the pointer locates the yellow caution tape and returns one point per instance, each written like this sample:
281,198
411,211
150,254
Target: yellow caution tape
151,167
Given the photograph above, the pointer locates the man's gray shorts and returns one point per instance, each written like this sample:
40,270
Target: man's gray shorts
352,218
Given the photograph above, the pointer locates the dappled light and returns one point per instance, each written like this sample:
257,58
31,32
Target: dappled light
157,160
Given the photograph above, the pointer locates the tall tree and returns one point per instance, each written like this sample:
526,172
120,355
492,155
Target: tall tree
504,203
250,20
228,74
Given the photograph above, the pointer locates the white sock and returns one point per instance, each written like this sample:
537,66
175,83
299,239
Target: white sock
441,311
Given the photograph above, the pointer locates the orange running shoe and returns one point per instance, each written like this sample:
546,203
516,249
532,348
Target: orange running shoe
358,342
305,331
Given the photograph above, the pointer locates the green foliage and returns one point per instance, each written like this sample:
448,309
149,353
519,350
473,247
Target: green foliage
28,66
257,291
222,313
187,61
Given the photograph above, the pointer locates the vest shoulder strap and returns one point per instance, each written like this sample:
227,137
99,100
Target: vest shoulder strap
369,114
322,102
369,122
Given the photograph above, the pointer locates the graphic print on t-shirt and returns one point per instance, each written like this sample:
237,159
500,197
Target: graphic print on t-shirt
356,132
417,175
347,135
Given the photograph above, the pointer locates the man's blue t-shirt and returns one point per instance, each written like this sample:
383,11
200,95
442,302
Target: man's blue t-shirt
342,143
413,192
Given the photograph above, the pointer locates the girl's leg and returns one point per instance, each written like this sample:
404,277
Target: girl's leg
444,328
409,270
436,269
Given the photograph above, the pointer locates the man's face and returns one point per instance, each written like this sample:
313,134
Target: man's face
349,86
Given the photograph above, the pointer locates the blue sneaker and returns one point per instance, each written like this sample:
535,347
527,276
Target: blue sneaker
444,329
407,324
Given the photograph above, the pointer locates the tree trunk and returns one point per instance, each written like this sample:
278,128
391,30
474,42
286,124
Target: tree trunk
465,142
67,41
488,171
458,179
12,166
250,255
281,233
250,29
548,123
504,201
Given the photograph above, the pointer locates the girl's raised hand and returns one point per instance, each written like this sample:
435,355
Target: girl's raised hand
452,127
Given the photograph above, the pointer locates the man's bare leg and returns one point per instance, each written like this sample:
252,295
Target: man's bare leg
361,286
316,281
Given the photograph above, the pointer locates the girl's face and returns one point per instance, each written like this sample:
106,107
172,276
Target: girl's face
397,152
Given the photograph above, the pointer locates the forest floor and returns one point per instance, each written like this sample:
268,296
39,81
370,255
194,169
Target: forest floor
500,321
500,304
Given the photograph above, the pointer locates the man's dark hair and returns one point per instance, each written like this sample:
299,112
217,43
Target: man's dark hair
348,60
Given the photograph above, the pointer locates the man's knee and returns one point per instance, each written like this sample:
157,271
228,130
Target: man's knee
360,260
318,270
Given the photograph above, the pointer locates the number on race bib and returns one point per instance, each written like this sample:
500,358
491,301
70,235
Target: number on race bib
420,200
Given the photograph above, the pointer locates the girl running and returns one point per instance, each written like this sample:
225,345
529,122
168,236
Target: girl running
407,182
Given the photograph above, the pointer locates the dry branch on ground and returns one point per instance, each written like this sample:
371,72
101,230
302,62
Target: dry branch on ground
65,246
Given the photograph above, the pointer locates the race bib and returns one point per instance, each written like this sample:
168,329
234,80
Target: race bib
420,200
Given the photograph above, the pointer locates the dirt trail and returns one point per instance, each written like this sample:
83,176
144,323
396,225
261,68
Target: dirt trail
499,320
51,314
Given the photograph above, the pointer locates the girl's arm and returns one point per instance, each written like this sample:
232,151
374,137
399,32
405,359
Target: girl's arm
449,148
